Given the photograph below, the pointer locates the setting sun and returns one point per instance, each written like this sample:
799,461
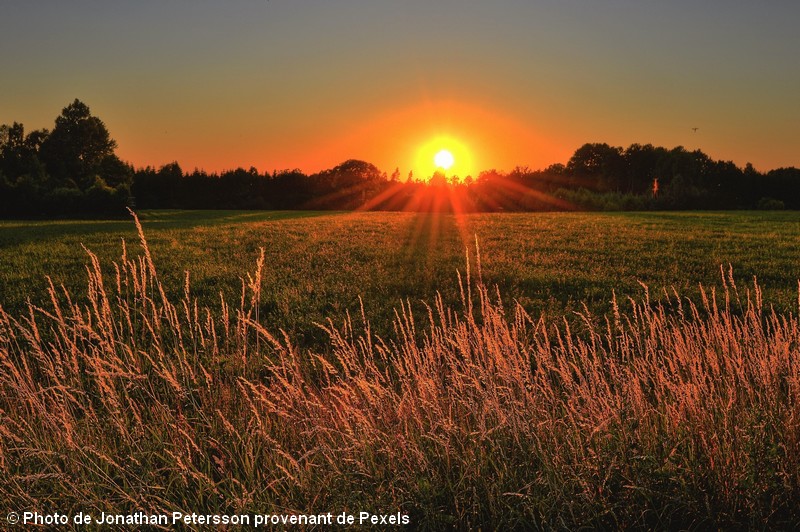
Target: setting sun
443,159
444,152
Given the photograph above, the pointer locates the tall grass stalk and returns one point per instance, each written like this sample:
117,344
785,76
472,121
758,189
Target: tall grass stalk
669,414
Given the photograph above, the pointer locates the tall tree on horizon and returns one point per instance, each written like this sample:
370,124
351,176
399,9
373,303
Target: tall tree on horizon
77,147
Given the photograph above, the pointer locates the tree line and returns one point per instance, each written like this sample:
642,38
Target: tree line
73,170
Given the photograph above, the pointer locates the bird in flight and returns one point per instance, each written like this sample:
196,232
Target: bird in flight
695,129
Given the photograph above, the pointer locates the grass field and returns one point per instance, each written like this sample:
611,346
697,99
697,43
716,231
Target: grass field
317,265
142,392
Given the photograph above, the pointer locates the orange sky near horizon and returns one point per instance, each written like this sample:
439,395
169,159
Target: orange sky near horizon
483,136
405,138
409,137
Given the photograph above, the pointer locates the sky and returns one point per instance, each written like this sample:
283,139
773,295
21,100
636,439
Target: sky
308,84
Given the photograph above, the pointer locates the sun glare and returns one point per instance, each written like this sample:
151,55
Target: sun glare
443,153
443,159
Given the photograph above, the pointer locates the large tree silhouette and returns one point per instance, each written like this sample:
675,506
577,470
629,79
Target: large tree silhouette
78,148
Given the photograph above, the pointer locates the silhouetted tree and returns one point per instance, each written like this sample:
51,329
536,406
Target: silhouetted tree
642,167
347,186
25,183
783,184
19,153
599,167
77,146
289,189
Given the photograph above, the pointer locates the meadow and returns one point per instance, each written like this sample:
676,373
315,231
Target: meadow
567,371
318,265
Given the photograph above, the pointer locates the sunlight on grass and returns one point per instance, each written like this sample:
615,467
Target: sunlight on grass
660,414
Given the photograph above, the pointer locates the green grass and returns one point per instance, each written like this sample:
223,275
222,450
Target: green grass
318,264
136,395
